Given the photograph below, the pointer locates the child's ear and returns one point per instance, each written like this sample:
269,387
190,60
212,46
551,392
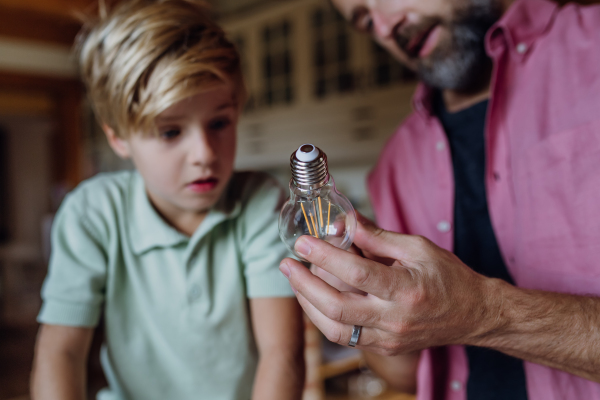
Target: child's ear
119,146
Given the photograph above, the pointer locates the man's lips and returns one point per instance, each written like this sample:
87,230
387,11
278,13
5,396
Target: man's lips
430,41
203,185
414,46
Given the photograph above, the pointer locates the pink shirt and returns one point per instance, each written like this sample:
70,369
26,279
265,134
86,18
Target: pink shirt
542,175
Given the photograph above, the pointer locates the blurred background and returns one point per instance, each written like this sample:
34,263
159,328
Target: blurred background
310,79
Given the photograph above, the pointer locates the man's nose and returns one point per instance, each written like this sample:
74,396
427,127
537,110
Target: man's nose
384,24
201,150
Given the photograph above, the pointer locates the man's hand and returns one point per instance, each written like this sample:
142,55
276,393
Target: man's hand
421,296
426,297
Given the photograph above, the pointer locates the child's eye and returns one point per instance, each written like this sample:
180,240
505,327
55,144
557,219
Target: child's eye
219,124
170,134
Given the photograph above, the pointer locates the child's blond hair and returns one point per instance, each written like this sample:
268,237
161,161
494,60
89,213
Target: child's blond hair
143,56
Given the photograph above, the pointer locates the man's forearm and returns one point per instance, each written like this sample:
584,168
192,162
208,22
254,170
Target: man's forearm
558,330
279,377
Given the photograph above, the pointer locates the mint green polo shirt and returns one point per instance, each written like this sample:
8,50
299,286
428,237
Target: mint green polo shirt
175,308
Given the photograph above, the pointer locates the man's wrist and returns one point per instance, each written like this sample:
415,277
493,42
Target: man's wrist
495,313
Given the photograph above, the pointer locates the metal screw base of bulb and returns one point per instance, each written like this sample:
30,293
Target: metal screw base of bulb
309,175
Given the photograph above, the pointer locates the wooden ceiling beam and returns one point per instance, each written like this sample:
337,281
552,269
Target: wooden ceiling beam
37,26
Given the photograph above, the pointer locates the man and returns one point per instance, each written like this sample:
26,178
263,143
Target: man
499,163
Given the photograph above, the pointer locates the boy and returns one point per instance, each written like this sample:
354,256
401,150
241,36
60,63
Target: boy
181,256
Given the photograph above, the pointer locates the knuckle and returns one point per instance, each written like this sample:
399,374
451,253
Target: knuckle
321,256
334,310
416,298
398,328
359,277
333,334
378,232
420,241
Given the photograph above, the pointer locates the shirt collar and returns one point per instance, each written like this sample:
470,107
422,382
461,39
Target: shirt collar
522,24
148,230
422,100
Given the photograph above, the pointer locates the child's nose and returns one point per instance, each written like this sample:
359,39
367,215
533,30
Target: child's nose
202,149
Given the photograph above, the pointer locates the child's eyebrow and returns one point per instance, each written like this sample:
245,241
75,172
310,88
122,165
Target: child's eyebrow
169,118
226,105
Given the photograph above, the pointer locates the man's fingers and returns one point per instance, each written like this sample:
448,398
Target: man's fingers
361,273
344,307
374,241
336,332
334,281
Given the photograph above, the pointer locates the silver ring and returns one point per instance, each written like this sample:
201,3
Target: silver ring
355,335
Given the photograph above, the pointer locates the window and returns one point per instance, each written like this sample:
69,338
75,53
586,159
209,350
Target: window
331,53
388,70
277,64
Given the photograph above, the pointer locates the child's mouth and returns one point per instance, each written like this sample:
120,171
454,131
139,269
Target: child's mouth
203,185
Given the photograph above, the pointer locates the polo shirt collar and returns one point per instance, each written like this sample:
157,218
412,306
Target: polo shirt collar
148,230
522,24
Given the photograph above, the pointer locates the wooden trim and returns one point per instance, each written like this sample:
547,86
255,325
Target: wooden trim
37,26
67,140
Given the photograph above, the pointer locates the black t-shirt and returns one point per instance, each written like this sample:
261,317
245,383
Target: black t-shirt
492,375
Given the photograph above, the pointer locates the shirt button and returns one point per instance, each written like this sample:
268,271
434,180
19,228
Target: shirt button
496,176
194,292
444,226
521,48
456,385
440,146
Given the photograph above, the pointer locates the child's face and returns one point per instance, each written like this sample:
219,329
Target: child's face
187,167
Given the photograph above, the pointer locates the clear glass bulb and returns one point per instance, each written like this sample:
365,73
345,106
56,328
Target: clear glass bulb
315,207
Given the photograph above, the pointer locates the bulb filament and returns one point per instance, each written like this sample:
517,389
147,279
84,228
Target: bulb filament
306,219
315,219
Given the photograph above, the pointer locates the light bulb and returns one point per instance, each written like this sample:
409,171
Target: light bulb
315,207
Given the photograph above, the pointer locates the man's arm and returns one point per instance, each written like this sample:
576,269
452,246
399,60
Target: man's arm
60,363
279,333
429,298
557,330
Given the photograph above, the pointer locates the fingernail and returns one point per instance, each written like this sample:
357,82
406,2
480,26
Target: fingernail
294,289
303,247
283,267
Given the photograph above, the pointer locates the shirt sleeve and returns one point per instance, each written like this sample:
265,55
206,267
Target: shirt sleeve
383,189
262,248
73,292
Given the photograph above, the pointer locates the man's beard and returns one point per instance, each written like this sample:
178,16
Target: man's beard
460,63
